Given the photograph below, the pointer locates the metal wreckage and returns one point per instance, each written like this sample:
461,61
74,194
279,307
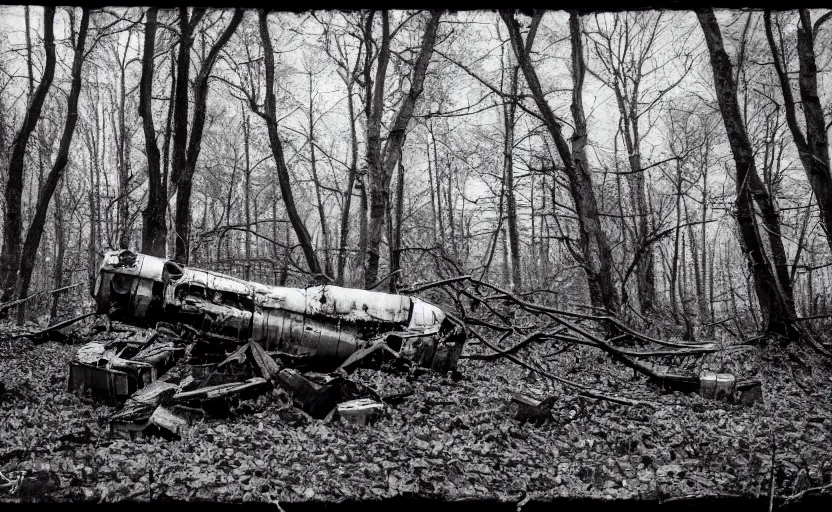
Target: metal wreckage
192,340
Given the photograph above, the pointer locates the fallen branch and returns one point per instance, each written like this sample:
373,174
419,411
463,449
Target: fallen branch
641,353
600,318
30,297
584,390
411,291
57,326
520,344
799,495
385,278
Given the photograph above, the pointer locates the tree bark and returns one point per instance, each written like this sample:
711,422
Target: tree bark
353,172
314,165
35,232
396,240
771,279
154,225
509,110
247,191
58,269
13,221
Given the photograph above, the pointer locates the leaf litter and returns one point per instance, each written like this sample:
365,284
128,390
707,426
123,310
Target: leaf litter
448,439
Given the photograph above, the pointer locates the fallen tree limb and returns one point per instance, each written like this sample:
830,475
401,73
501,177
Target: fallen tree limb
57,326
799,495
511,350
32,296
584,390
641,353
600,318
411,291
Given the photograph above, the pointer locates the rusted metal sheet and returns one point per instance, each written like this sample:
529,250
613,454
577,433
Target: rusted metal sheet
325,322
112,385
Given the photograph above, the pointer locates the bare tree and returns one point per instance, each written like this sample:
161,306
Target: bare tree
13,221
594,248
628,54
268,114
813,147
186,147
380,162
35,232
771,278
154,227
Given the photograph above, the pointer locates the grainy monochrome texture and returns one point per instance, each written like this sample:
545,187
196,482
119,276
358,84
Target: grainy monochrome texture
430,258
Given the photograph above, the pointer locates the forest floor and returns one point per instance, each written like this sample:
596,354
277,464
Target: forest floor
448,440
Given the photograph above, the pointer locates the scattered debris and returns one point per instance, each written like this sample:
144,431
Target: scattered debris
361,411
329,323
532,409
717,386
184,339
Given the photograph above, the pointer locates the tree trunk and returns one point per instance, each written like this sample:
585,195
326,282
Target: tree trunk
35,232
771,279
184,168
154,227
596,252
396,240
314,164
438,190
58,270
381,164
509,110
247,191
13,222
122,158
674,264
345,214
284,180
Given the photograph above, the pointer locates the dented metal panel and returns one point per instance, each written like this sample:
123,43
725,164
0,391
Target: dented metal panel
425,317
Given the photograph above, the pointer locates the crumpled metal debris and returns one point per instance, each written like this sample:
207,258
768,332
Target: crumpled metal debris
361,411
168,405
328,323
198,341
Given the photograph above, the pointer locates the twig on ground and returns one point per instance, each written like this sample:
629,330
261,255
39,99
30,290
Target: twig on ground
800,495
